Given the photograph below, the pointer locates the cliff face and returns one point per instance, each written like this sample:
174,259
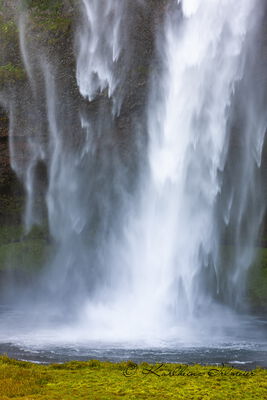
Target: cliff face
49,26
11,190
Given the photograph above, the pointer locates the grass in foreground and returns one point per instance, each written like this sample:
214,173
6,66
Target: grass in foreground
94,380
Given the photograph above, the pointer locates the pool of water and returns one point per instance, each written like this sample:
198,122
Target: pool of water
244,347
240,357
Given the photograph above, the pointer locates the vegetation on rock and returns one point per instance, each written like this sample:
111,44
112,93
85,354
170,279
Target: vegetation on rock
257,282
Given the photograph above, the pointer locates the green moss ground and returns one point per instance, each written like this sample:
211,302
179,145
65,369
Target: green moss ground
94,380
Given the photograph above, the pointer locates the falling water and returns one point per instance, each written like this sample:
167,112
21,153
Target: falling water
191,125
173,243
140,210
101,38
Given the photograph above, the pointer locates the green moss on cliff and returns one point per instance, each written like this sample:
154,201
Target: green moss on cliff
49,15
8,28
11,73
51,6
257,281
24,255
57,24
20,251
11,69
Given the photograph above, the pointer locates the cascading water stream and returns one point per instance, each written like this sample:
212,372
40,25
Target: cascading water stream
190,129
173,244
144,261
100,41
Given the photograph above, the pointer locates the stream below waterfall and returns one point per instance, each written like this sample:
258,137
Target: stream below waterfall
242,346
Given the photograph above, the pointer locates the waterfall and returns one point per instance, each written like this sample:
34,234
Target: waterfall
149,183
86,182
100,41
191,115
173,242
